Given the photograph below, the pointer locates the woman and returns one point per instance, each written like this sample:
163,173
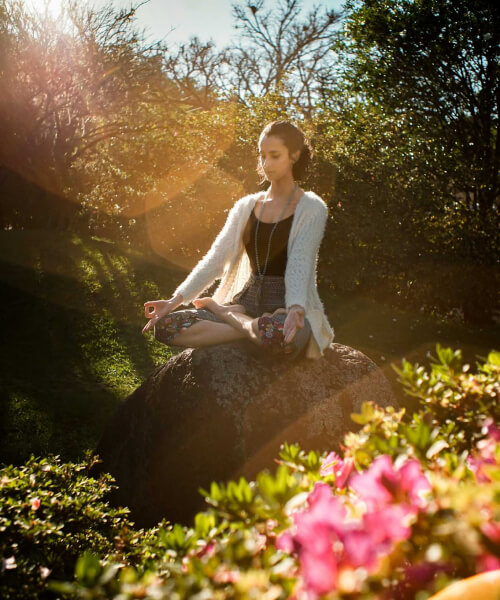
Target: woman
266,256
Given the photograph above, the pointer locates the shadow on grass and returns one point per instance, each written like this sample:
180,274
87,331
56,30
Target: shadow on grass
71,318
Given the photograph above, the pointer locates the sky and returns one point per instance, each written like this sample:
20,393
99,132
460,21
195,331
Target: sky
175,21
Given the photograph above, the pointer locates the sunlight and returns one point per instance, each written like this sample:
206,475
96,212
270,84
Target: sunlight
54,7
173,230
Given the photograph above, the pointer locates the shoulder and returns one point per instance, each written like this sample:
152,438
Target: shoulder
314,205
245,201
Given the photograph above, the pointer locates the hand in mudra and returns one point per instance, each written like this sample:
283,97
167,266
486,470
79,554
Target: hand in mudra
294,320
160,309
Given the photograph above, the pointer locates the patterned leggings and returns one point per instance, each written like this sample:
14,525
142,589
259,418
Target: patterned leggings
270,327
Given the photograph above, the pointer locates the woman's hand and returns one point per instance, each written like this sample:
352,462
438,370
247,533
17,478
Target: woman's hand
160,309
294,320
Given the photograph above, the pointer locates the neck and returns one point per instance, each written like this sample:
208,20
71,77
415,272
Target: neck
280,190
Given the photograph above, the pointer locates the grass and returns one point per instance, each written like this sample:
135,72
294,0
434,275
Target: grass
71,318
72,314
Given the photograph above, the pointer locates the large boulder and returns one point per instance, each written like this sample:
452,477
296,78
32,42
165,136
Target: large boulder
213,414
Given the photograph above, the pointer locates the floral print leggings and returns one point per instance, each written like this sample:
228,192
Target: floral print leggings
270,327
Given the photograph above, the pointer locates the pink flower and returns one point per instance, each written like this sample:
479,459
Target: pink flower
382,483
270,526
207,549
491,529
338,467
491,429
389,523
225,575
485,452
359,549
316,540
328,542
35,504
488,562
417,577
285,542
319,570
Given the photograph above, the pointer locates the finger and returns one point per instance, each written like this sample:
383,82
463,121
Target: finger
150,324
147,306
289,337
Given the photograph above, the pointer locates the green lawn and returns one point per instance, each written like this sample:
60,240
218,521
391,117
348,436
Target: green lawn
71,317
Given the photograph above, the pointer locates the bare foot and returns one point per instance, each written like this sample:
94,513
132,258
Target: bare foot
213,306
208,303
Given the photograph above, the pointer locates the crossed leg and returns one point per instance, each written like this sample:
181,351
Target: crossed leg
234,315
206,333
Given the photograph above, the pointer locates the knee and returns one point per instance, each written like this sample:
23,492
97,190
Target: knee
170,328
270,332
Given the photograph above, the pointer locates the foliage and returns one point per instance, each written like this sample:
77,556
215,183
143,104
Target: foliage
106,131
411,506
79,337
454,404
412,127
52,512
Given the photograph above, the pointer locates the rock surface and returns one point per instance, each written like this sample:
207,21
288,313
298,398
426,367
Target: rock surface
213,414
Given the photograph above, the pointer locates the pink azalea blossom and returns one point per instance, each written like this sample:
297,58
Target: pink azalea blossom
417,577
359,549
491,529
327,541
225,575
488,562
389,523
492,430
333,464
35,504
383,484
285,542
485,452
271,524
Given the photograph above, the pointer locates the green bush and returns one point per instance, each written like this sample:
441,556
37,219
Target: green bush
412,505
52,512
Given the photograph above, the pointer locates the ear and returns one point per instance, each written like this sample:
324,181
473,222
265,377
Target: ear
295,156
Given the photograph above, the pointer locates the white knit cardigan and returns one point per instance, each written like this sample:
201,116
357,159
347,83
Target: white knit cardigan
227,259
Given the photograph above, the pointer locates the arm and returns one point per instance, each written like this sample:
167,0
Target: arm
303,258
212,265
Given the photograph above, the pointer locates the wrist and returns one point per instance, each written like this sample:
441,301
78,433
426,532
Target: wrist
297,308
177,300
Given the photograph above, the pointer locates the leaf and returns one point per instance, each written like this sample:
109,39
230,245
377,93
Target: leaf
88,568
436,447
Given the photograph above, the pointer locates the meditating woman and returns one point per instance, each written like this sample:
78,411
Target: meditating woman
266,256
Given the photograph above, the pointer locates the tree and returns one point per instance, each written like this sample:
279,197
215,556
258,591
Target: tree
68,84
279,50
435,64
199,71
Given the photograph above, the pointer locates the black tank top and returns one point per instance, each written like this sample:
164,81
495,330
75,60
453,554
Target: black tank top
278,254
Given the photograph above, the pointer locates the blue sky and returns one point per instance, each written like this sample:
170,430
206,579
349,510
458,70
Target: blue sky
177,20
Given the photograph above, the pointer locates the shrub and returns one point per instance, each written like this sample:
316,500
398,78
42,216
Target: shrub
411,505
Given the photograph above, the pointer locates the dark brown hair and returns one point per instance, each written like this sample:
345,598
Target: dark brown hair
294,139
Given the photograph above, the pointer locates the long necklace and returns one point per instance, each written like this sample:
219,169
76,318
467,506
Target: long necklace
260,274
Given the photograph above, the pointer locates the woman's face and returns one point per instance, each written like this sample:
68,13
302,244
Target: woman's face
274,157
